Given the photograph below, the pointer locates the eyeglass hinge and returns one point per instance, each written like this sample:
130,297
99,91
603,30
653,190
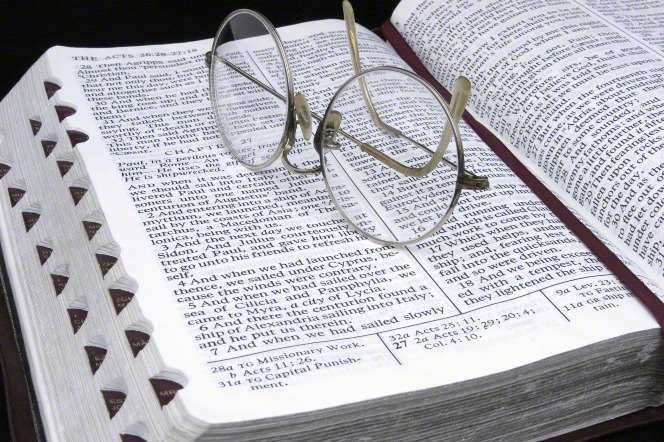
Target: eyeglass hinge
473,182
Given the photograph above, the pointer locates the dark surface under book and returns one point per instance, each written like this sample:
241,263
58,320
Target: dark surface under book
27,31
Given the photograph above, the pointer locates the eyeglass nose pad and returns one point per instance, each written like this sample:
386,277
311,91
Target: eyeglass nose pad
303,114
332,124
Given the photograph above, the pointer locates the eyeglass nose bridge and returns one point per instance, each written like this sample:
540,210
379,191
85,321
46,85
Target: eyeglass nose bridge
328,129
301,116
331,129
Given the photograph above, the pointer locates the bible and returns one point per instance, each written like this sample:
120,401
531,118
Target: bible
161,291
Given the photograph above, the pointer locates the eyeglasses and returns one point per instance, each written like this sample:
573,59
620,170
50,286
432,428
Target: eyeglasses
381,144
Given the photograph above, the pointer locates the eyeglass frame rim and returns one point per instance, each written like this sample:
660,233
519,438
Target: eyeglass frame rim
288,134
460,166
290,127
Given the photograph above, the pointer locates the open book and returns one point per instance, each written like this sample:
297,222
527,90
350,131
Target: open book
164,292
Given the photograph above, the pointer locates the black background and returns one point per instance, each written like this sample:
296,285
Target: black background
29,28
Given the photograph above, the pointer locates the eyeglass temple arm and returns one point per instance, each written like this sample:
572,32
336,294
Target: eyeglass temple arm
470,180
349,18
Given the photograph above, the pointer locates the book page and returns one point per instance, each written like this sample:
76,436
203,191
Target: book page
578,93
641,18
262,294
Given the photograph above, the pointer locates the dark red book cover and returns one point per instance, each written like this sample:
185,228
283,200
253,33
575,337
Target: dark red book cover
21,403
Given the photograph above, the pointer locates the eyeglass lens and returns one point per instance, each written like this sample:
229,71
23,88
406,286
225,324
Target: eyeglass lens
395,115
378,199
251,114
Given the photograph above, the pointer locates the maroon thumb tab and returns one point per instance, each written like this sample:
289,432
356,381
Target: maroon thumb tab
77,193
4,169
131,438
15,195
114,401
106,262
77,318
91,228
51,88
137,340
44,253
48,146
76,137
59,282
165,390
120,299
96,356
64,167
584,234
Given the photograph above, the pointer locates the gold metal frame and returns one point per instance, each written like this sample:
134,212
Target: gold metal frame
464,179
298,113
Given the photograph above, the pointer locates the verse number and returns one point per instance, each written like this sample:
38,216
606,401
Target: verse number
398,345
399,340
399,336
